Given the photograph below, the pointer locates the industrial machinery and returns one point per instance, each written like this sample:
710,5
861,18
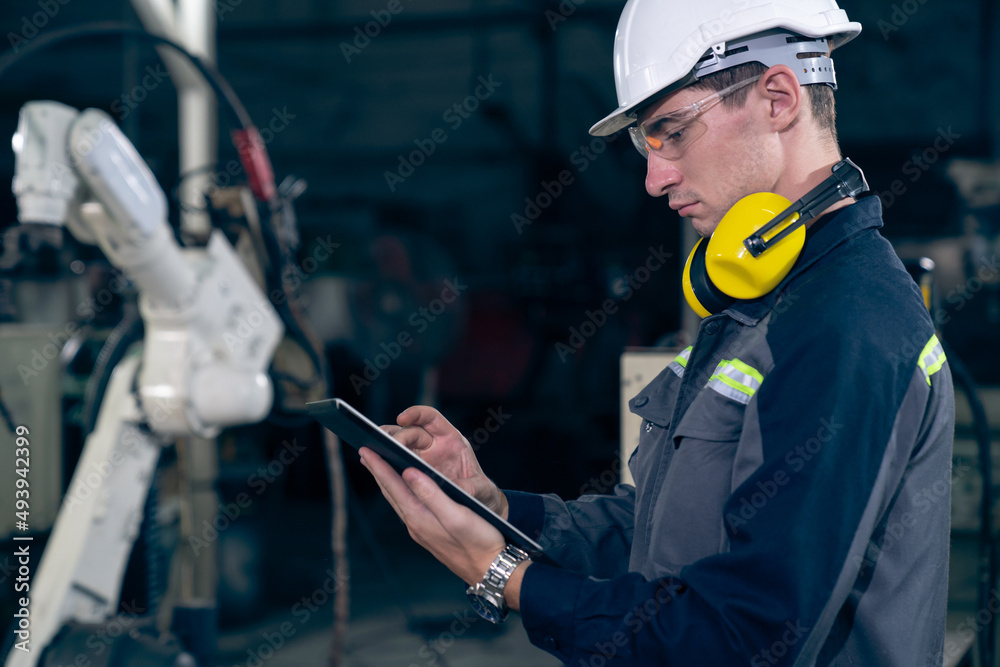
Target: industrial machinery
213,319
200,369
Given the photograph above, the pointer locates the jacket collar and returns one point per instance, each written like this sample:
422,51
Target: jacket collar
822,237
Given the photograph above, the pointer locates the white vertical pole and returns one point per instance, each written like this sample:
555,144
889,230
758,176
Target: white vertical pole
198,117
192,24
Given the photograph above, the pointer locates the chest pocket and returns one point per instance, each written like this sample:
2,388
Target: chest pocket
655,405
716,414
688,514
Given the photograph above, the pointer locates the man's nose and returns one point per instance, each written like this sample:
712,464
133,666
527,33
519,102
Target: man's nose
661,174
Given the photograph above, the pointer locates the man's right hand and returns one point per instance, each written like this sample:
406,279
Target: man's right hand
425,431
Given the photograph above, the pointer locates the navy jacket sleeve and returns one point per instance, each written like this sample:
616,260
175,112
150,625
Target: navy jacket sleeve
591,535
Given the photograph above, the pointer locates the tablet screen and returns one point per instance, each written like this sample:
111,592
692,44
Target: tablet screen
359,431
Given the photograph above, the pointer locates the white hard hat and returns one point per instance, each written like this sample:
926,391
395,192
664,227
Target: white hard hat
661,46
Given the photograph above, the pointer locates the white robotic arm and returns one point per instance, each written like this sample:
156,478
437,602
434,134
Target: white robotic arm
210,334
210,330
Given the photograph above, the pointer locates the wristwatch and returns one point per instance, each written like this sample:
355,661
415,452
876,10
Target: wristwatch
486,597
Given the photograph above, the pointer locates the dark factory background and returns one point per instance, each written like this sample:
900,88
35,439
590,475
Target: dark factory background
462,235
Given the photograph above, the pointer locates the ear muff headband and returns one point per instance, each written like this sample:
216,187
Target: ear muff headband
733,264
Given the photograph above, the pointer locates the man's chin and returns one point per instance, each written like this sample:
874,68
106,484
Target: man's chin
704,227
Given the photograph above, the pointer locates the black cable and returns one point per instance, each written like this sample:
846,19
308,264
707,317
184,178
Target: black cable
104,28
277,207
275,279
127,331
175,197
987,543
225,92
7,415
156,569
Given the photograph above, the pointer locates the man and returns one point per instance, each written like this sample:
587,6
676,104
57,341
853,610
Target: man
784,509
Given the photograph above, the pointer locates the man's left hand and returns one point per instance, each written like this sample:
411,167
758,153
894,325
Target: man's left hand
454,534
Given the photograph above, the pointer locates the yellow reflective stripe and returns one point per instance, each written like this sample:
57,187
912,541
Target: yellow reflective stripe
680,362
736,380
932,358
720,384
733,383
749,370
738,371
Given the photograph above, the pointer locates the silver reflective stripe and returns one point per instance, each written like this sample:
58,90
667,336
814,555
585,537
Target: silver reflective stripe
736,380
931,358
680,362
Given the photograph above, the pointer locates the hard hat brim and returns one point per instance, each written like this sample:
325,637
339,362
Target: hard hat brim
613,122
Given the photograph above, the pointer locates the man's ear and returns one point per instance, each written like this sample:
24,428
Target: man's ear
784,95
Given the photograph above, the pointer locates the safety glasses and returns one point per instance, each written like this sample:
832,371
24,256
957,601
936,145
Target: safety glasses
669,135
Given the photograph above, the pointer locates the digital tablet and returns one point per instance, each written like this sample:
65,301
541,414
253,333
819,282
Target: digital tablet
359,431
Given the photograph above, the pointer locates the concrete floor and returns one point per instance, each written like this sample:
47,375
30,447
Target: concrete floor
418,619
421,618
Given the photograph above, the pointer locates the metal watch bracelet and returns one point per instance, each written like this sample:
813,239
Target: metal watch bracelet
487,596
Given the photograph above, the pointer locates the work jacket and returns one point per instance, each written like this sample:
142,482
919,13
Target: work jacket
792,485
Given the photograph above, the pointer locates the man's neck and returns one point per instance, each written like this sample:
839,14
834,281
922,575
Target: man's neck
806,177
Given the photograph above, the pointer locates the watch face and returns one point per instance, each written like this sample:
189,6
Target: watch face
485,608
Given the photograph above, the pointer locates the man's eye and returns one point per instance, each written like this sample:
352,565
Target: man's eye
668,131
675,136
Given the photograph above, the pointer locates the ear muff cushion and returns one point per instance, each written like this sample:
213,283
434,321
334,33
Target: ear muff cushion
704,297
732,268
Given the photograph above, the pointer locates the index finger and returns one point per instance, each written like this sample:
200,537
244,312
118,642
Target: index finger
427,418
414,438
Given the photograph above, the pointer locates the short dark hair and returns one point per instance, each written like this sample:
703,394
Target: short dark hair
820,94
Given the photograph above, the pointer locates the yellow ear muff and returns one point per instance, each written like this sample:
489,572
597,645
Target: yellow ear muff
686,280
701,294
731,266
721,270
